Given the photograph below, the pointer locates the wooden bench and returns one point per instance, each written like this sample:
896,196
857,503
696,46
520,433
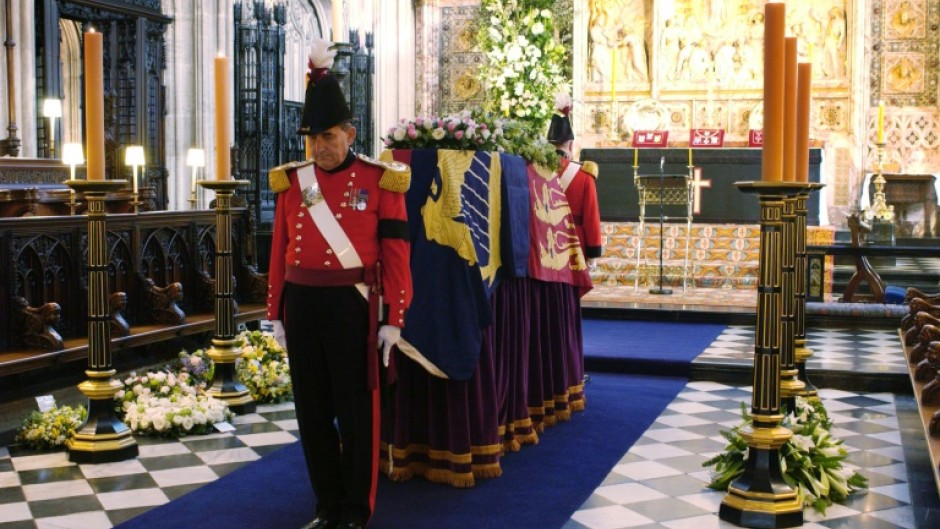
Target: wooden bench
860,251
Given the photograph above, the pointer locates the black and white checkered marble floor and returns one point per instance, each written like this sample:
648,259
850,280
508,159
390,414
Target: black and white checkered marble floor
659,482
834,348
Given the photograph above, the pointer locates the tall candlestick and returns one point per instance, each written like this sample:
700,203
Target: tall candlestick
338,21
803,96
774,73
636,157
94,105
690,156
222,154
789,110
881,121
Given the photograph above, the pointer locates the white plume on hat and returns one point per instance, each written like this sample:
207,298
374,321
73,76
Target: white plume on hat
321,56
562,101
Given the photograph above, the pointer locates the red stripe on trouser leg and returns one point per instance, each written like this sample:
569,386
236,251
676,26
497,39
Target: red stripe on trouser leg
376,434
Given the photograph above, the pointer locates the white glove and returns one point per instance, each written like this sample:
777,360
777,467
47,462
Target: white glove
279,334
592,263
388,336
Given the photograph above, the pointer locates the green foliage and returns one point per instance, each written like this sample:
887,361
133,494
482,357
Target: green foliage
811,459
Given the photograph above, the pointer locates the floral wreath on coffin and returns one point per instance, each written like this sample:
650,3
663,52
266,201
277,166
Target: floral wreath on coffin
474,131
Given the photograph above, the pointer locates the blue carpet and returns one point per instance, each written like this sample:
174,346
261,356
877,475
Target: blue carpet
540,488
645,347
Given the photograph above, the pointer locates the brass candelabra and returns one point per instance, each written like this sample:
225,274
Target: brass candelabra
879,208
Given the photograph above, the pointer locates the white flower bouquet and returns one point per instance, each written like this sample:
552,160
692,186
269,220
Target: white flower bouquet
46,430
811,460
263,368
166,404
525,61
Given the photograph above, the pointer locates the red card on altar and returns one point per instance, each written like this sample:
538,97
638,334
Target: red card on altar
707,138
650,138
755,138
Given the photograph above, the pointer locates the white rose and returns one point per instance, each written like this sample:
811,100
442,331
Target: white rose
438,134
187,423
538,28
159,424
399,134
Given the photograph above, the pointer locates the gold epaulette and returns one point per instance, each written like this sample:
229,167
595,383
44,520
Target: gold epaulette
397,176
590,168
277,176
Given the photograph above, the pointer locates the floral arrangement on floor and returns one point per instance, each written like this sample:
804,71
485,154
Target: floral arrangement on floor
52,428
812,460
524,60
167,404
197,364
263,368
476,131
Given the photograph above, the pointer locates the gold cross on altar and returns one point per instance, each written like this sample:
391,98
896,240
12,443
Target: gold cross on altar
697,185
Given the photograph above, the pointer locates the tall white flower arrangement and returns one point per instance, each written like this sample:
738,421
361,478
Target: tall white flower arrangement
523,71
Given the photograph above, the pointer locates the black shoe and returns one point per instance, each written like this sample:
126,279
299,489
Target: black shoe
320,523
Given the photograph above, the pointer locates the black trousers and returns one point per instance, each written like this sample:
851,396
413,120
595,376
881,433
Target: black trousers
337,415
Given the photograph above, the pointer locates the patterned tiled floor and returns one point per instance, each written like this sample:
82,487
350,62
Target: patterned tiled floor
834,348
658,483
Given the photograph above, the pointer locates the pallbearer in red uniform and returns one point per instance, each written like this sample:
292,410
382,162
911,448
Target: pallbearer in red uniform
340,241
578,182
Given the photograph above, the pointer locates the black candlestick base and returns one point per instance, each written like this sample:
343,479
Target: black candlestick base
661,290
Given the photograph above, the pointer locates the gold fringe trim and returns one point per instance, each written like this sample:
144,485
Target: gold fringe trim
490,470
459,480
577,405
511,445
562,415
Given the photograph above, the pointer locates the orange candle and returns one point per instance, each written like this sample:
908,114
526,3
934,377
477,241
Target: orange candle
789,111
881,121
94,105
803,97
774,73
222,154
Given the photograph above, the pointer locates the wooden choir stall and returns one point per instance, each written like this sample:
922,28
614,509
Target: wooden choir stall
160,268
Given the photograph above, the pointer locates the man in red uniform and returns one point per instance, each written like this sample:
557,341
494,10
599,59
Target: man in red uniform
578,182
340,240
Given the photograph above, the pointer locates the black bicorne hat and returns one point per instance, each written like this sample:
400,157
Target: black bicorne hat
324,104
559,131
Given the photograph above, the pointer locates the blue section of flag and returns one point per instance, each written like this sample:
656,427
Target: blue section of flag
515,204
475,206
450,306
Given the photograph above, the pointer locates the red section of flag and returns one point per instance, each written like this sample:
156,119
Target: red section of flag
707,138
755,138
650,138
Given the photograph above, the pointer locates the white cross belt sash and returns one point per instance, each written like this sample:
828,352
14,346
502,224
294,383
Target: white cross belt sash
329,227
568,175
